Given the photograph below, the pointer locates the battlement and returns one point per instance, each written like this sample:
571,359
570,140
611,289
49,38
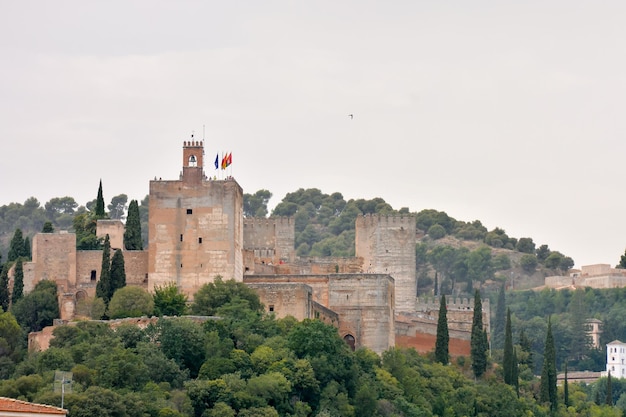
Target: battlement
459,304
193,143
268,222
382,220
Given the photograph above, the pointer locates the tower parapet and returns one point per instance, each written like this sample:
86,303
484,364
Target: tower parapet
272,239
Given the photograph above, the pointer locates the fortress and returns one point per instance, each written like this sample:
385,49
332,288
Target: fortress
197,231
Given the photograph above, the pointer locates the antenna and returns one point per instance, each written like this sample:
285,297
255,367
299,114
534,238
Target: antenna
203,133
63,383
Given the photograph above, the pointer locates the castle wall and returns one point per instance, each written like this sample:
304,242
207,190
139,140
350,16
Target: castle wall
115,230
88,269
136,267
54,258
363,303
387,246
196,233
272,239
459,312
285,299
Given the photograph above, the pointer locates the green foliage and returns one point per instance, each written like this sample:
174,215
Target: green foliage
132,232
118,207
85,229
47,228
525,245
497,331
548,392
501,262
16,247
218,293
181,340
255,205
529,263
169,301
18,282
38,308
478,344
509,364
130,302
436,231
441,345
118,272
103,287
99,209
5,296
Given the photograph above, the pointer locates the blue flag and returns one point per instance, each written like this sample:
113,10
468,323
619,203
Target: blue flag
217,161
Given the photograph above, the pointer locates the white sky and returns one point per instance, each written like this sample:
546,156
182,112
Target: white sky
507,112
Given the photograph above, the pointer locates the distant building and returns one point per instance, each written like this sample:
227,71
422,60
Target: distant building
16,408
594,330
593,276
615,359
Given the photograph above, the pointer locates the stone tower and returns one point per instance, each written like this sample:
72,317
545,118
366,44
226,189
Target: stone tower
195,227
387,246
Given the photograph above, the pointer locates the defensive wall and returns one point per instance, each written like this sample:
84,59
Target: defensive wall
387,246
363,303
271,239
594,276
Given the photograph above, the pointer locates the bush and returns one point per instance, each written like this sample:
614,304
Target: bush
529,263
130,302
436,231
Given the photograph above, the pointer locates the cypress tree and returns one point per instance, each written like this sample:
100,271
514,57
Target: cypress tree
609,390
436,289
132,234
515,372
507,361
27,251
547,389
526,347
497,335
443,339
478,339
118,273
565,389
103,287
18,281
47,228
16,247
4,287
100,203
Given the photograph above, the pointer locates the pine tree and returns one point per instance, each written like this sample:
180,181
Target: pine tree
497,335
16,247
118,273
132,234
507,362
103,287
18,281
547,390
609,390
47,228
443,339
479,345
100,203
27,251
4,287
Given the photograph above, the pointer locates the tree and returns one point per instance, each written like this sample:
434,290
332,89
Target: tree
85,225
117,273
18,281
169,301
255,205
5,296
622,262
130,302
100,203
27,250
132,233
547,389
478,343
507,363
443,338
103,288
16,247
525,245
436,231
213,295
542,253
118,207
47,228
609,390
528,263
565,388
497,334
38,308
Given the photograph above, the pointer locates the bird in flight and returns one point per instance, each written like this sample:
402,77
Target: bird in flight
351,116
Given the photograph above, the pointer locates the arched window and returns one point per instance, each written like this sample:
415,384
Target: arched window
349,339
193,161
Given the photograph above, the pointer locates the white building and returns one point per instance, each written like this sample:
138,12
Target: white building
615,359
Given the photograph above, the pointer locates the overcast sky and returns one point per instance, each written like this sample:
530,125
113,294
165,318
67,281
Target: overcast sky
507,112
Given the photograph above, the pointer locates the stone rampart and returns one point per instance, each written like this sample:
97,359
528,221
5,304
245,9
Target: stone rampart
272,239
285,299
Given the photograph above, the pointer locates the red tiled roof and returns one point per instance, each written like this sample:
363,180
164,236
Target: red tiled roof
11,404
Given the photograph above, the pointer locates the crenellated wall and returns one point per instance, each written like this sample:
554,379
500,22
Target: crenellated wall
271,239
387,246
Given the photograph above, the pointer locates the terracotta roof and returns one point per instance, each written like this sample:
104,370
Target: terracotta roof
11,404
